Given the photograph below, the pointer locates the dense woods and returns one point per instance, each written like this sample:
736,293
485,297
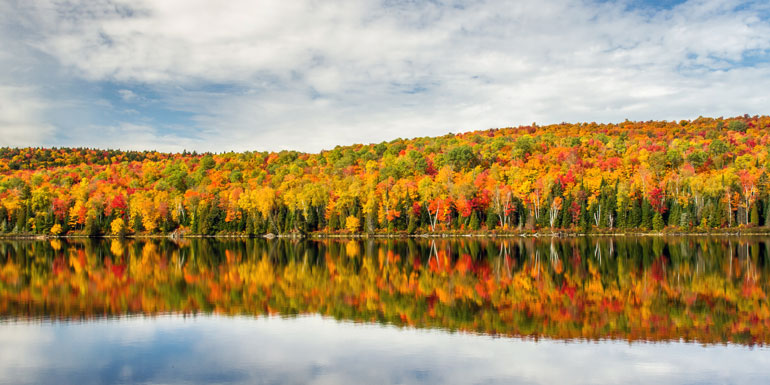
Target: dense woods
710,290
633,176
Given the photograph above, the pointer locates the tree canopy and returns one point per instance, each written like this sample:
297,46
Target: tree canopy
701,174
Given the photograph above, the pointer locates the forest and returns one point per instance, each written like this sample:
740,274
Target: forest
692,175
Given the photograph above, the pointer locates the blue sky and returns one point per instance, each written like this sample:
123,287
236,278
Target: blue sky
308,75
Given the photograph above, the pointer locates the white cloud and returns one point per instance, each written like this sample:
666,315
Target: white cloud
20,117
308,75
128,95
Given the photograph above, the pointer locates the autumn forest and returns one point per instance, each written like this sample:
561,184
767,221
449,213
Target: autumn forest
691,176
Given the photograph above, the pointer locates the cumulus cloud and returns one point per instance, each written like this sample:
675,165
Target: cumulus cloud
308,75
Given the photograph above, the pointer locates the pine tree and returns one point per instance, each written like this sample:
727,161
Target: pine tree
657,222
491,219
622,210
311,220
674,216
635,217
566,216
720,218
611,205
754,215
710,214
21,221
585,217
767,211
647,214
250,225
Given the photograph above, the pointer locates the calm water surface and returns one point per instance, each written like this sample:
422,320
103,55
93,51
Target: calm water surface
602,310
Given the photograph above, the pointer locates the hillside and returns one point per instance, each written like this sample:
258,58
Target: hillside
702,174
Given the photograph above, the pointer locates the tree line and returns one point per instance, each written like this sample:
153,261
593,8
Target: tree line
700,174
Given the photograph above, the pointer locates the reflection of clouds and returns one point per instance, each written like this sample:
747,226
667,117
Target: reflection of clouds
314,350
19,349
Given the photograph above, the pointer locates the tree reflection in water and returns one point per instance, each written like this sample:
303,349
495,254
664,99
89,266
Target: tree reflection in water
705,289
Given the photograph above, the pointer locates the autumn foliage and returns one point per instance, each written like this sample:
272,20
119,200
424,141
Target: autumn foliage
688,175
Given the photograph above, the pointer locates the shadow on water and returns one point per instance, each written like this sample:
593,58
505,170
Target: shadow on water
704,289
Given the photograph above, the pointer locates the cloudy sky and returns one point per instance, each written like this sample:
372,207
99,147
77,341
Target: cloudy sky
308,75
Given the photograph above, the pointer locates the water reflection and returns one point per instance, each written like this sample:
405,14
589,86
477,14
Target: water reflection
313,350
709,290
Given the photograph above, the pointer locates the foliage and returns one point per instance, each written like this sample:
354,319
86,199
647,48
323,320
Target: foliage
707,173
352,224
118,227
56,229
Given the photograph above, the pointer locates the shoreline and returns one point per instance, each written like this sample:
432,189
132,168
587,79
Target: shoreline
321,235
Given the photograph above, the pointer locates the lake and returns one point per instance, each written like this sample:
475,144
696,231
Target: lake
668,310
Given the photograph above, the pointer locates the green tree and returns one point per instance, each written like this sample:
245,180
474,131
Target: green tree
657,222
697,158
737,125
754,215
647,214
491,219
461,157
207,162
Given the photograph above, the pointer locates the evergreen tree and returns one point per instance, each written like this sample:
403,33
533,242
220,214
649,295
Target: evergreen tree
767,211
585,217
334,222
21,221
635,217
622,214
492,219
565,219
674,216
710,214
657,222
288,223
754,215
720,216
647,214
311,220
611,205
250,230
